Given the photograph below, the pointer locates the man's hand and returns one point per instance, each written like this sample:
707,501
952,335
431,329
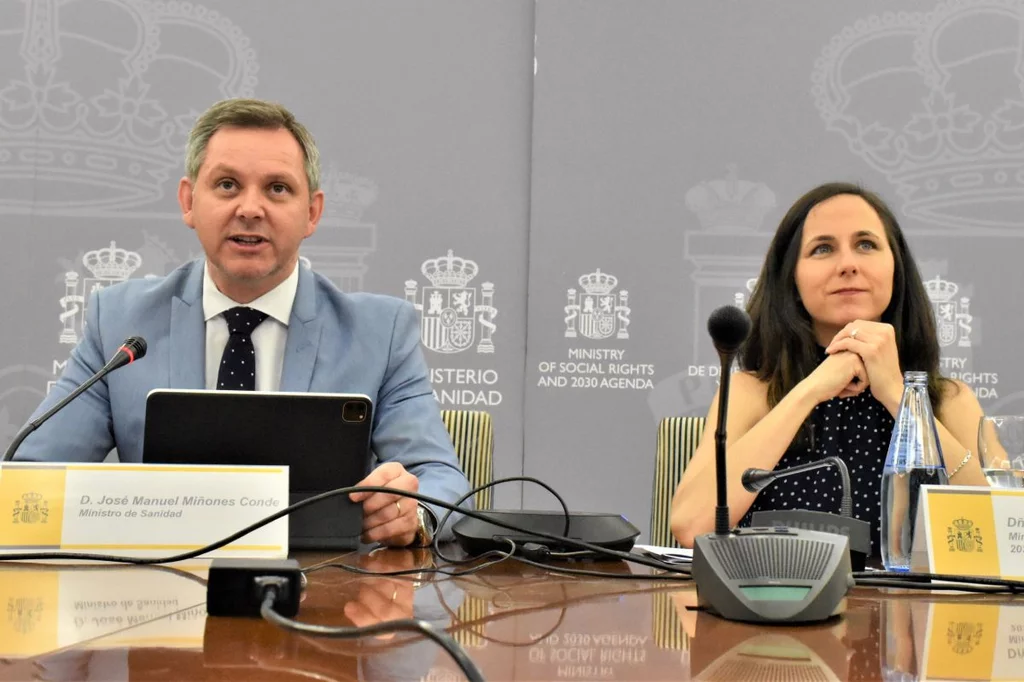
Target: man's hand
389,519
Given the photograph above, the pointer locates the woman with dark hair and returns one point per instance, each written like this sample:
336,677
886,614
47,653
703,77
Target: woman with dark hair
839,312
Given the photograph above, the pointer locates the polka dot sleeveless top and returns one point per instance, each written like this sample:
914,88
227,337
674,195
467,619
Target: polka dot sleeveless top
857,430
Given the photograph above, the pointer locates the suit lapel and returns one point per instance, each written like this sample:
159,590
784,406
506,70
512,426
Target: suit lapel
187,362
304,328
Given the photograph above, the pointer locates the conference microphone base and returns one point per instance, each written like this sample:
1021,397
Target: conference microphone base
772,575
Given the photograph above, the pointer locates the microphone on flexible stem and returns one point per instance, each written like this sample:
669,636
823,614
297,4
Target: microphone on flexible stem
756,480
859,532
729,327
762,575
133,348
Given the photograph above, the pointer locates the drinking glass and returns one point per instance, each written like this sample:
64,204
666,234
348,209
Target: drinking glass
1001,450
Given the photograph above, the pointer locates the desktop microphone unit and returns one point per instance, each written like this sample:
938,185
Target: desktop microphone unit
859,532
762,575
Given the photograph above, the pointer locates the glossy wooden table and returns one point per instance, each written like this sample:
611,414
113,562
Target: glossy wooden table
516,622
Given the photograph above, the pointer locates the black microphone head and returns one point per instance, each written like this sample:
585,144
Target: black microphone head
756,480
136,345
729,327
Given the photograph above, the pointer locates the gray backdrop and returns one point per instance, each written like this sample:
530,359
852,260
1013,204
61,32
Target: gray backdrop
590,178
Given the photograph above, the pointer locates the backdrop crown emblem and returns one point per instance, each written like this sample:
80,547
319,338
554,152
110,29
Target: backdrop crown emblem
730,204
449,271
112,263
347,195
32,498
94,110
941,290
598,283
902,88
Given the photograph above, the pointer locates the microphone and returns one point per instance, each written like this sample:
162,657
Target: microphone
762,575
728,327
756,480
859,532
133,348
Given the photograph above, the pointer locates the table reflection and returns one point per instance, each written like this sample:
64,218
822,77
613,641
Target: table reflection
50,606
160,643
530,623
973,638
516,622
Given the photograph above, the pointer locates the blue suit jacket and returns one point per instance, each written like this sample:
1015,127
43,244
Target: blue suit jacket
337,343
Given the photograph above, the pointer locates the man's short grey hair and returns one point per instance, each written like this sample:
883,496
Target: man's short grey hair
250,113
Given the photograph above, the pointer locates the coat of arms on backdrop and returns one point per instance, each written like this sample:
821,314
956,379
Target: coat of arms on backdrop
598,311
451,310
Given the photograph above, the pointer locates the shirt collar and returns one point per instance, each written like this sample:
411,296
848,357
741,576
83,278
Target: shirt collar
277,303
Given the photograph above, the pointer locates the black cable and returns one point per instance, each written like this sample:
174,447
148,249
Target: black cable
570,555
902,580
142,561
677,575
443,639
546,553
443,570
996,598
435,545
923,581
536,554
981,589
509,479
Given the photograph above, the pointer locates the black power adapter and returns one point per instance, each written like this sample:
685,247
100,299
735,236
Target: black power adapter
236,587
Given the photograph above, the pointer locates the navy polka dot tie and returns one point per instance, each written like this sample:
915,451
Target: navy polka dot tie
238,364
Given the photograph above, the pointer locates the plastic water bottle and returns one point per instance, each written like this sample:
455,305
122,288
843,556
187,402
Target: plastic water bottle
914,459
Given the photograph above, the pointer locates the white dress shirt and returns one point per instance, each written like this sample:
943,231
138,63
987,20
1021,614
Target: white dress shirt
268,338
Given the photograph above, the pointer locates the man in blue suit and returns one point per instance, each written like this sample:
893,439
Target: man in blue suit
251,193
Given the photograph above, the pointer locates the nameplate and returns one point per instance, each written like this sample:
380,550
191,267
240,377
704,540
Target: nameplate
974,642
141,510
973,530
